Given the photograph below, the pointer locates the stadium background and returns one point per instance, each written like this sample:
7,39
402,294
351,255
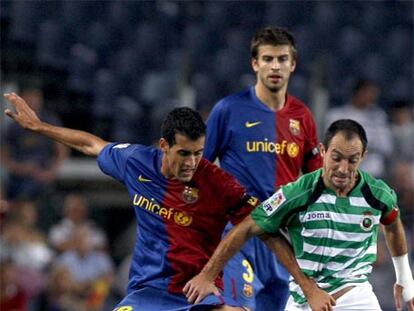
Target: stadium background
116,67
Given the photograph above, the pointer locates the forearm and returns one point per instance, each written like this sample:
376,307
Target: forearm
84,142
284,252
229,246
395,238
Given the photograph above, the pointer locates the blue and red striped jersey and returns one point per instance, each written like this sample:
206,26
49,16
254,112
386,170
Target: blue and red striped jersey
179,224
262,148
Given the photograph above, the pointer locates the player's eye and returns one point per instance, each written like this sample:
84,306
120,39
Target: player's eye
284,58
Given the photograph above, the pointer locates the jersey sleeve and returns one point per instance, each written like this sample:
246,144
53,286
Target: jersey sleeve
312,156
217,135
113,158
391,211
234,197
270,213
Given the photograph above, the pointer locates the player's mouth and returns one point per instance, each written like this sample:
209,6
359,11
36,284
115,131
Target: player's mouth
340,179
275,78
187,172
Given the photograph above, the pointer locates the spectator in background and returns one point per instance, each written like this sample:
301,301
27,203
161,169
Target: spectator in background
31,161
12,296
91,270
402,128
363,108
75,213
61,294
26,246
401,177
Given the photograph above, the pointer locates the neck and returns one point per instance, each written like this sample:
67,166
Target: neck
341,192
164,167
274,100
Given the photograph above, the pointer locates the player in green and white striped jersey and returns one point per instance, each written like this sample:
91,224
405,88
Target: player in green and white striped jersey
331,217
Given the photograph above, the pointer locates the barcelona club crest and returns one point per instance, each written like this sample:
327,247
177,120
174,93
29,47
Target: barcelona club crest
294,126
248,290
190,194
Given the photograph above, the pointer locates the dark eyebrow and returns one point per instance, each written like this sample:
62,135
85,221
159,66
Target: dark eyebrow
188,151
351,156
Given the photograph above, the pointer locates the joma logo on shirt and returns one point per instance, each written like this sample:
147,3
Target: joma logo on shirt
317,216
181,218
291,148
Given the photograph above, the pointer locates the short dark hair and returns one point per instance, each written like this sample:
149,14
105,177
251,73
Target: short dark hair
349,128
272,35
183,121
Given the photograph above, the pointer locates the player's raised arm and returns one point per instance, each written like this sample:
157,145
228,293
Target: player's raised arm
82,141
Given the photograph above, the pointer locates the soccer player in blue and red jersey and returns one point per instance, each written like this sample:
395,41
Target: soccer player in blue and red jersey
182,203
265,138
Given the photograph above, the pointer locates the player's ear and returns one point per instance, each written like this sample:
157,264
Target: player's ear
254,64
364,155
163,144
292,69
322,149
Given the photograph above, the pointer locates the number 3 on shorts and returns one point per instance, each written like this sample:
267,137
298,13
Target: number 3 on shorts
248,276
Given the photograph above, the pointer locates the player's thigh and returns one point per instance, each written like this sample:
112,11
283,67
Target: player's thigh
273,297
292,306
359,298
240,281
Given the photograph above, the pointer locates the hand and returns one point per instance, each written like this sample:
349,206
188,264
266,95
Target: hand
199,287
399,297
319,300
24,115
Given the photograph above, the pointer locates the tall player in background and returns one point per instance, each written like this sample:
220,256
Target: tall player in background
265,138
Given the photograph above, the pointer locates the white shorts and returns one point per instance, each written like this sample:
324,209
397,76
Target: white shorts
361,297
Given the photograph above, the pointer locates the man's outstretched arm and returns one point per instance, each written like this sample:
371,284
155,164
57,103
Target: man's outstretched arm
202,284
84,142
317,298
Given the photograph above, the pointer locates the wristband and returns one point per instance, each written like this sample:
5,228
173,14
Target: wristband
404,276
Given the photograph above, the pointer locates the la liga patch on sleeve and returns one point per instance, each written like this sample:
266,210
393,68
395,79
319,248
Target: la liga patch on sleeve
274,202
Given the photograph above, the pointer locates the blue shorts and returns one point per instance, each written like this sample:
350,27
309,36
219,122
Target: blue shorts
256,279
155,299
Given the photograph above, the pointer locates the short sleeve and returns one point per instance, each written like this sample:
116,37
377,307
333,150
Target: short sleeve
270,213
217,134
113,158
391,212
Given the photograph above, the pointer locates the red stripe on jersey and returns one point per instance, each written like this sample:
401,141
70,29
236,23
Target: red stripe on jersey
206,209
391,217
297,137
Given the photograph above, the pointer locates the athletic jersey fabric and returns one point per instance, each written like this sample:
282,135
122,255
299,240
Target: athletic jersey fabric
334,238
179,225
262,148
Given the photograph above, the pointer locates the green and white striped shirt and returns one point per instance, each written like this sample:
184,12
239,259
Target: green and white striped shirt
334,238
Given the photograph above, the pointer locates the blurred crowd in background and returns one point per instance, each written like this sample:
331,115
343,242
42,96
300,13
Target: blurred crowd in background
116,67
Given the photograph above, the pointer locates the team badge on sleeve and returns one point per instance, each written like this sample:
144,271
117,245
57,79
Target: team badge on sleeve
272,204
